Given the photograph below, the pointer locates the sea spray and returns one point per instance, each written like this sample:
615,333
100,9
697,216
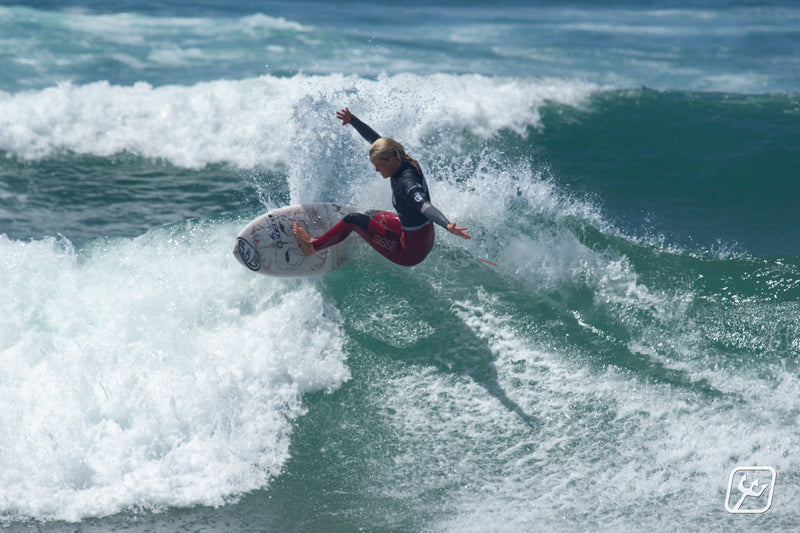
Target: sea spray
151,371
251,122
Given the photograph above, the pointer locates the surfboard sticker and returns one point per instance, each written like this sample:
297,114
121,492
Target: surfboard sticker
248,254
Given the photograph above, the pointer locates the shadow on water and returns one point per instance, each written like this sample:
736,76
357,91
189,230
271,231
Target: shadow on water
454,349
448,343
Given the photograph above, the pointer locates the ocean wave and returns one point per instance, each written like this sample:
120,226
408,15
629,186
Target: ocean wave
680,48
255,122
150,372
42,47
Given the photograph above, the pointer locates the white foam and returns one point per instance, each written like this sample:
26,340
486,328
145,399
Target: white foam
261,121
150,372
134,29
607,449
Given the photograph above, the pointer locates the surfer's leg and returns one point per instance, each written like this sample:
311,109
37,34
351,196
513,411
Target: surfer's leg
417,244
383,232
337,233
386,235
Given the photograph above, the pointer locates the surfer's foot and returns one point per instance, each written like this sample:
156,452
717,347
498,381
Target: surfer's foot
303,238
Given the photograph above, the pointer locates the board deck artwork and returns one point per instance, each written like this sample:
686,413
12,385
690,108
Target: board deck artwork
267,244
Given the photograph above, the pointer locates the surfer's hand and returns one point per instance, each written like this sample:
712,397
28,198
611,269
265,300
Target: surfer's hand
455,230
345,116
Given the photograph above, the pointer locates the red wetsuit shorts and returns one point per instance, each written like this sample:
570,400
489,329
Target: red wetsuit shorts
383,231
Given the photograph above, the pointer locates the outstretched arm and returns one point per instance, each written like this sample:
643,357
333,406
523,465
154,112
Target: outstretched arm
365,131
436,216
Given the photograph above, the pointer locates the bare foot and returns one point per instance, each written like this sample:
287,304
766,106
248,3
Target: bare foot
303,238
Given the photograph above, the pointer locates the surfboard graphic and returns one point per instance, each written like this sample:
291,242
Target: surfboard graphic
267,245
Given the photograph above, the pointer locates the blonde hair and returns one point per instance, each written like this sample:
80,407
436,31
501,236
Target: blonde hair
384,148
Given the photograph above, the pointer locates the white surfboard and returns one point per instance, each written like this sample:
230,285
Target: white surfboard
267,244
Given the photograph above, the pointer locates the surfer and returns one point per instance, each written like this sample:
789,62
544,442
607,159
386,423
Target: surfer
405,237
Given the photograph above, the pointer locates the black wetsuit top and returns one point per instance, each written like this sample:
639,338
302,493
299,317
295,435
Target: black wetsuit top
410,196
